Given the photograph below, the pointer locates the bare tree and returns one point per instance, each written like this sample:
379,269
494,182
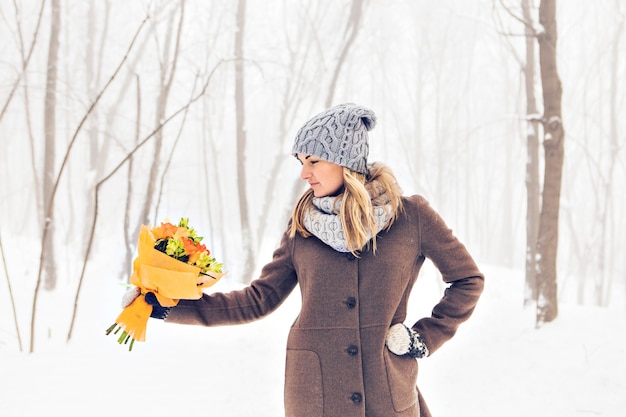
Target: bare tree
240,120
602,169
93,60
169,64
168,162
352,30
532,162
129,241
554,136
50,138
606,256
213,188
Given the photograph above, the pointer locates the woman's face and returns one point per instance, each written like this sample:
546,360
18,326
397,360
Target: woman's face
325,178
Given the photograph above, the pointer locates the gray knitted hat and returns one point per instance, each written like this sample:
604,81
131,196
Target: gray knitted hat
338,135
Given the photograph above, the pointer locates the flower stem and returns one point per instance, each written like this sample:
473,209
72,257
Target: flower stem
110,329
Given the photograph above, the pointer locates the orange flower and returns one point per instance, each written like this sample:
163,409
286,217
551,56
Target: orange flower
193,249
181,233
166,230
194,257
190,246
203,248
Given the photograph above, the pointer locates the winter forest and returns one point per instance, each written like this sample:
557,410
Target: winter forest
507,115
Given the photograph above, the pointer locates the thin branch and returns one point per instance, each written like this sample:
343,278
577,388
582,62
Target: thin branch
516,17
26,60
6,273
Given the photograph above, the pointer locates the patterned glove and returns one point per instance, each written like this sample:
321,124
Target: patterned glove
402,340
158,311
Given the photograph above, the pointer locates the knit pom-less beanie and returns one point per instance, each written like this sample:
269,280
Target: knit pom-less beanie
338,135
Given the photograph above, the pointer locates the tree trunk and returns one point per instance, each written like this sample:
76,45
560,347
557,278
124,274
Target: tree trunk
92,80
352,27
532,163
131,240
49,134
167,79
547,241
213,191
607,241
240,116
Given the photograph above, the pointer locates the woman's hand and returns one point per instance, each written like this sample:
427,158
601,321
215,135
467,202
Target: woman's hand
402,340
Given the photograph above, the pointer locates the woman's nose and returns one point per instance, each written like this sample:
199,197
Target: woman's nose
305,173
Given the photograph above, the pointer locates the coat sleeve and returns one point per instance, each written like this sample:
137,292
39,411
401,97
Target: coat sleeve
457,268
261,297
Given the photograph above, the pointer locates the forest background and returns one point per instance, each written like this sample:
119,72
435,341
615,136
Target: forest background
125,113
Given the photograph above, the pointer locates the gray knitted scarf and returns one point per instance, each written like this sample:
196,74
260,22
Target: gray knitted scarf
323,221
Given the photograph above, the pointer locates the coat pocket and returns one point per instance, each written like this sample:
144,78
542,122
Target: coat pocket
303,384
402,380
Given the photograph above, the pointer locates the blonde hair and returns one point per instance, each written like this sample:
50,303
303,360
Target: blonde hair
356,210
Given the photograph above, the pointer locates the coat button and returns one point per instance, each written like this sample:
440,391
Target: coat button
350,302
356,398
352,350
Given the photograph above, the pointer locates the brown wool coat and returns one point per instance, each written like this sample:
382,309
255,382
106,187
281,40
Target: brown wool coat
337,364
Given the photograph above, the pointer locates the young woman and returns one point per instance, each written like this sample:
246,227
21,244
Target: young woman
355,246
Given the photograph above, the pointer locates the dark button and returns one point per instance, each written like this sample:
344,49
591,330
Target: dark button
350,256
356,398
352,350
350,302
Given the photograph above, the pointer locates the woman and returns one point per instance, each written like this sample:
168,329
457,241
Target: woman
355,246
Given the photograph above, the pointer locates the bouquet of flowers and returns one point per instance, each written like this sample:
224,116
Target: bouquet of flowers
172,264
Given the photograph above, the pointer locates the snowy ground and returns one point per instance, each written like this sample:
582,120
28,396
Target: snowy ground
497,365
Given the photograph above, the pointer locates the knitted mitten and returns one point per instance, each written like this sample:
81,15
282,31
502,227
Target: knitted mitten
402,340
130,295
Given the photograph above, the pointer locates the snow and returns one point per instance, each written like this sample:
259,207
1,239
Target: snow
498,363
